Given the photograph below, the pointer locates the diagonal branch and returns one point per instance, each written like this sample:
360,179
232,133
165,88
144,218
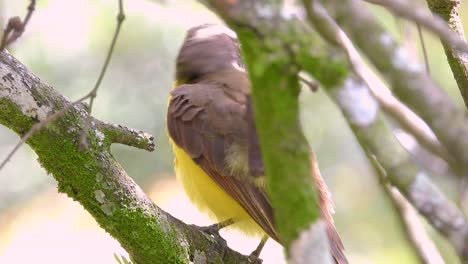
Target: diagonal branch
415,231
325,25
407,77
435,24
361,110
93,177
458,61
375,136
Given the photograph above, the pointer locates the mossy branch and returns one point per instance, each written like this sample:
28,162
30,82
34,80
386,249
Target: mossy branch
458,61
270,44
93,177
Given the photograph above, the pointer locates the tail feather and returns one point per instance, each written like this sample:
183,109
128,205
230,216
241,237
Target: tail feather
326,209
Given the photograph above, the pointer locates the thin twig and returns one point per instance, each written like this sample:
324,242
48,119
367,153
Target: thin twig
15,27
38,126
423,47
415,231
127,136
93,93
392,106
407,77
313,86
418,14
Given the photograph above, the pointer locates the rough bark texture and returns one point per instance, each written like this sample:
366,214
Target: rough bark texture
93,177
458,61
407,77
375,136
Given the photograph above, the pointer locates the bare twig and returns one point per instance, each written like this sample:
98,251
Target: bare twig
313,86
127,136
15,27
407,77
415,229
415,232
405,117
419,15
38,126
423,47
93,93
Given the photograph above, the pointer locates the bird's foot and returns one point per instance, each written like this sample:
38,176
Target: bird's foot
254,258
213,230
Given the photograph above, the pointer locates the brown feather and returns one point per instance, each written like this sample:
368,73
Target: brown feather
211,116
326,210
204,120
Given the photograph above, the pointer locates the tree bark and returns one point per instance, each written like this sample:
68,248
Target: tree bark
93,178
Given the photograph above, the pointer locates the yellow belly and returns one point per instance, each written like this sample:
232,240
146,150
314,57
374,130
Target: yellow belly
209,197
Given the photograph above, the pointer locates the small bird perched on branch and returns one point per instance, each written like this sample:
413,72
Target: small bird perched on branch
212,131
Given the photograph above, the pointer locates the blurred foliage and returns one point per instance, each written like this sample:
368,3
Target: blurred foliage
65,45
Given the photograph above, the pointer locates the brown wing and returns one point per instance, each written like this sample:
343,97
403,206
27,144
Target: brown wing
205,121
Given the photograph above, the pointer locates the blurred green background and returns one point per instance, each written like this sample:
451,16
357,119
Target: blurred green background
65,45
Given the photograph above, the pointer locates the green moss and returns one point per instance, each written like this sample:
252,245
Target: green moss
273,64
10,118
284,148
328,72
76,170
160,246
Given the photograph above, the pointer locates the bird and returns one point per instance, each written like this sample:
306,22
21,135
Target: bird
212,131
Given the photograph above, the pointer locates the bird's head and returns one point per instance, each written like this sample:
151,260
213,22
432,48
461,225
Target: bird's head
207,49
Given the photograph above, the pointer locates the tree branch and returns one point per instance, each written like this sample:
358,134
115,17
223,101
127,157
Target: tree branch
418,15
93,178
126,136
412,123
93,92
415,231
376,137
458,61
271,43
407,77
361,111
